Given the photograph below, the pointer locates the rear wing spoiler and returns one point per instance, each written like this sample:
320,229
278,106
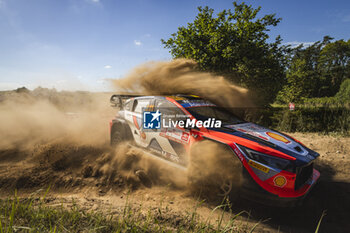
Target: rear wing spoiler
118,100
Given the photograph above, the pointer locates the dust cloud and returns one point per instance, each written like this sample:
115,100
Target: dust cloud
214,170
137,167
27,119
69,130
181,76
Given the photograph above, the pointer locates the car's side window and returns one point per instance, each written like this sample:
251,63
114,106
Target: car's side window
168,108
139,105
160,104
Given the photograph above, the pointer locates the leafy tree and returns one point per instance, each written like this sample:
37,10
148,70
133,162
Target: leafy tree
317,70
334,65
344,92
302,73
234,44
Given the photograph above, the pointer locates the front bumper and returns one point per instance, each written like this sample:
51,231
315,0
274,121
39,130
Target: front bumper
251,191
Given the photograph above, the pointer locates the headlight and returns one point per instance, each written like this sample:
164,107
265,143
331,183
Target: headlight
273,162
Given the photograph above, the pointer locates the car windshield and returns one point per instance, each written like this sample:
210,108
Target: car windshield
205,112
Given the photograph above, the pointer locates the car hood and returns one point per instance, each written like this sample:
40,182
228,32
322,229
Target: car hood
273,139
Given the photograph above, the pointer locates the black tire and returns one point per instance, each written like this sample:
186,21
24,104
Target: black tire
116,137
214,171
120,133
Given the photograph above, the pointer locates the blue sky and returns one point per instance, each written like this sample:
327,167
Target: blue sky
76,44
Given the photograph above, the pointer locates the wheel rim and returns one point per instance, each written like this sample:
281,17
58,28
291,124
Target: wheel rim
225,188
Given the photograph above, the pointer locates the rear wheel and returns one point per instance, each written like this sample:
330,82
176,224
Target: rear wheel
120,133
116,137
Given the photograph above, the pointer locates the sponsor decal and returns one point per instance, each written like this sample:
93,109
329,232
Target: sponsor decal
278,137
196,103
150,107
253,134
143,135
251,129
185,136
170,156
176,97
280,181
176,135
238,152
258,166
151,120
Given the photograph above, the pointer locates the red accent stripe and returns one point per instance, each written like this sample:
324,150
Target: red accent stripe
135,122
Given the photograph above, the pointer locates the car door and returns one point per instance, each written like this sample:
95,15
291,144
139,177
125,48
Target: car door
169,141
134,118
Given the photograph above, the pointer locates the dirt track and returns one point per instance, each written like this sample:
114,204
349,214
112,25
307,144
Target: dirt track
72,171
74,166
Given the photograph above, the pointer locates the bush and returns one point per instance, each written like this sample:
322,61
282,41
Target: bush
344,91
304,118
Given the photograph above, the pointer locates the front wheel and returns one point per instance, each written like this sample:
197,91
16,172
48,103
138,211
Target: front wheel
214,170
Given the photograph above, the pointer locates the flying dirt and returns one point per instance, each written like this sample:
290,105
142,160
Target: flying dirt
181,76
44,115
61,140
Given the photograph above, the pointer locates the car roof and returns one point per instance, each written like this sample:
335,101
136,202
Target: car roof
175,97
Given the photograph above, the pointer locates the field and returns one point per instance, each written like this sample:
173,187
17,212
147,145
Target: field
59,174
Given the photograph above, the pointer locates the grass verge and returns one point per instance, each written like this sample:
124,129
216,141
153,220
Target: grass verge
33,214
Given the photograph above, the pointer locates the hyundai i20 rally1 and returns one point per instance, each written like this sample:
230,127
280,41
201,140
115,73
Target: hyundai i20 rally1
269,166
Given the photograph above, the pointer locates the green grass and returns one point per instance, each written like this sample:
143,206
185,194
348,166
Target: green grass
33,214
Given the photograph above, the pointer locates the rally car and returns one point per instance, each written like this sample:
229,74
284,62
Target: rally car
273,167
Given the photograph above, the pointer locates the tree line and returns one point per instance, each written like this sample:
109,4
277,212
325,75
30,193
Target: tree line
236,43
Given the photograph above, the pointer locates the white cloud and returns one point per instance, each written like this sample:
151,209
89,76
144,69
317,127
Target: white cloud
294,44
107,67
137,42
96,1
